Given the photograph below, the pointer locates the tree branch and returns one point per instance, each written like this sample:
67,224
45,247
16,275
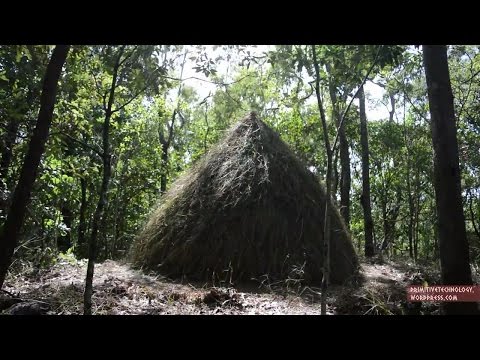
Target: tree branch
84,144
311,92
131,99
209,81
468,91
128,55
170,129
412,104
354,96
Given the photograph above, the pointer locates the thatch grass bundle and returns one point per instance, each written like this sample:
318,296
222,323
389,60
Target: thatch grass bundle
248,209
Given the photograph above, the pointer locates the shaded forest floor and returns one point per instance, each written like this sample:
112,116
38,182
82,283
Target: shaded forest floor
120,290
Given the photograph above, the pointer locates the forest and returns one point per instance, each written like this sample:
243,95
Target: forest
238,179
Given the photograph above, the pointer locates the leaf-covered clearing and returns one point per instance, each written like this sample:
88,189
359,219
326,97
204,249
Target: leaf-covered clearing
121,290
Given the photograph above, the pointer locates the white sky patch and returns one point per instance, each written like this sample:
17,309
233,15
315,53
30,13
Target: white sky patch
373,95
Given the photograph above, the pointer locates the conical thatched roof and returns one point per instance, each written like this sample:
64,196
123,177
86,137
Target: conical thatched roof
248,209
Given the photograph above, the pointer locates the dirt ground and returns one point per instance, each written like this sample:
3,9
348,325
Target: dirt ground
121,290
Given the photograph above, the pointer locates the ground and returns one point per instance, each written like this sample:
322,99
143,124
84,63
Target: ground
121,290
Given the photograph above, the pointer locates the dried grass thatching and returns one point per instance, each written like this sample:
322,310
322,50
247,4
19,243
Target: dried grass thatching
248,209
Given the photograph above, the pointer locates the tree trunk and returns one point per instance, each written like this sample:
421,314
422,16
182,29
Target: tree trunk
345,176
383,205
336,179
411,220
411,207
21,196
365,197
102,201
166,142
121,205
328,149
207,127
454,256
392,112
104,232
163,177
436,250
81,221
417,216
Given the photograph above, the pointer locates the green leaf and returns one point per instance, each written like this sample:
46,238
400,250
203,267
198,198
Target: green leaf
28,54
19,55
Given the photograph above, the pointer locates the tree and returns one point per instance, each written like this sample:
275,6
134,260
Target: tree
11,229
166,142
365,197
133,72
454,256
345,176
106,174
328,149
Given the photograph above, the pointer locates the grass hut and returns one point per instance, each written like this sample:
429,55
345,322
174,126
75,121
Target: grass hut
249,209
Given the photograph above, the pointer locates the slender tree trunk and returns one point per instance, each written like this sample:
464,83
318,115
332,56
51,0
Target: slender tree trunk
436,250
359,243
81,221
417,216
102,201
411,227
121,204
328,149
454,256
21,196
117,216
345,175
336,180
104,232
92,198
392,112
98,215
163,177
386,230
166,142
365,197
415,247
411,207
384,218
207,127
